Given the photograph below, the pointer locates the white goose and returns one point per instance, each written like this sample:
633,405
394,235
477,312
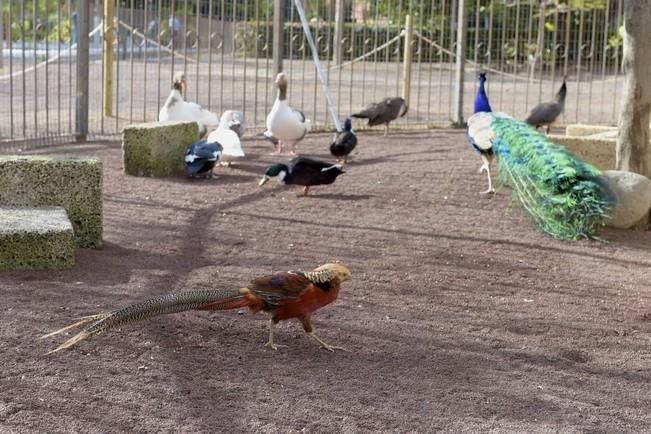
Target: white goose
176,109
284,124
228,133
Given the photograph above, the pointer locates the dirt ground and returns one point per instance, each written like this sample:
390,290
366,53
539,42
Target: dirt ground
459,317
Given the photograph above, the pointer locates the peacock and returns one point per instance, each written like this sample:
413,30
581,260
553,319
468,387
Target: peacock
564,196
483,105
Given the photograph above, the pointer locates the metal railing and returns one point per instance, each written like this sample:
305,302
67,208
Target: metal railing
226,48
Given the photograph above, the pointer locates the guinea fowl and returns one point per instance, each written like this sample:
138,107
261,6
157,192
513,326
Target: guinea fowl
303,171
201,157
384,112
546,113
228,136
176,109
285,125
345,142
486,154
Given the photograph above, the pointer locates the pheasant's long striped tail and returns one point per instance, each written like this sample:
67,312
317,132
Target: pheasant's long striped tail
564,196
165,304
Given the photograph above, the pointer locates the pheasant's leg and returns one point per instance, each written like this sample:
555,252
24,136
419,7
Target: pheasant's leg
486,166
272,332
307,326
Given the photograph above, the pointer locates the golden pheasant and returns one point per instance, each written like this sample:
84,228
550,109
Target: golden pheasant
285,295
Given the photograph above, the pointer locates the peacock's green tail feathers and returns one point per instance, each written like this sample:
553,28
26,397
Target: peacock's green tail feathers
564,196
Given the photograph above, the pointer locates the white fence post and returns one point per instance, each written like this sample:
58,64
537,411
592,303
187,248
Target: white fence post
460,59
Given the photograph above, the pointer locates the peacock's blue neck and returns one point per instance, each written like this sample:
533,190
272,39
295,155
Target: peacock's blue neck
481,100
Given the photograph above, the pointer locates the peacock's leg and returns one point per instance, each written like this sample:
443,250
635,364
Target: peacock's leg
307,326
386,130
486,166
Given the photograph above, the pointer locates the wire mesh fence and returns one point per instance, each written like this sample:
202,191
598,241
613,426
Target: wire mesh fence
226,49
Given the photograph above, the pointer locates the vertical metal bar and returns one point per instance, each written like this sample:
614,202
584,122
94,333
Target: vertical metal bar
267,87
233,53
210,37
278,27
47,64
460,61
316,78
117,67
441,56
158,54
81,106
11,72
132,75
353,39
592,58
171,24
246,42
197,62
618,63
406,60
2,33
185,40
579,61
373,45
257,46
59,98
107,58
223,49
339,32
22,37
430,65
146,56
34,36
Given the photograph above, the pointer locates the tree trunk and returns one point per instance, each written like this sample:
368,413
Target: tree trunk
633,148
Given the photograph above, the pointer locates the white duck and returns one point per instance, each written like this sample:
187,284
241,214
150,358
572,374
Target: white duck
176,109
284,124
227,134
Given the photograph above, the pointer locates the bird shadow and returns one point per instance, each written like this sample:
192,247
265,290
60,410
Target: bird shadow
344,197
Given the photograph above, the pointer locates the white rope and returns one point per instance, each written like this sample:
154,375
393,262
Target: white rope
143,36
317,64
370,53
50,60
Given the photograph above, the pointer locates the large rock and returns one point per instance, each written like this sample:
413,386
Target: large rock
157,148
36,239
632,192
74,184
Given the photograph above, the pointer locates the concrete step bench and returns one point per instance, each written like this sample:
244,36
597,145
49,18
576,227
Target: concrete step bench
75,184
36,239
157,148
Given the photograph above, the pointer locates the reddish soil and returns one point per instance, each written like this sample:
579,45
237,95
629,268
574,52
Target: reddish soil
459,317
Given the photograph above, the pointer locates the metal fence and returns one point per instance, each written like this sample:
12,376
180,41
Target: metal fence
226,48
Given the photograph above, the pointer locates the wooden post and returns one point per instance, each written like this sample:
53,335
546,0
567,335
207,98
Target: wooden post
406,60
460,60
633,149
337,53
278,31
81,101
107,54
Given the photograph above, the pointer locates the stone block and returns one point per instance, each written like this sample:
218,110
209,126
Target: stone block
600,152
157,148
579,130
75,184
36,239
